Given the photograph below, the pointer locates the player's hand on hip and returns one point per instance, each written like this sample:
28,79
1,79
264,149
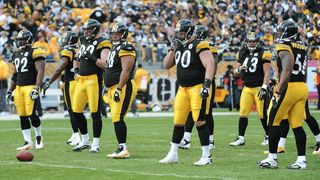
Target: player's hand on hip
34,93
116,95
8,96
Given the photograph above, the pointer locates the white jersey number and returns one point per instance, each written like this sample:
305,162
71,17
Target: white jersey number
301,65
254,63
185,58
21,63
111,58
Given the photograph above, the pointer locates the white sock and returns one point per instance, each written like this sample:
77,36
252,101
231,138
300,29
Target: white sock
96,142
272,156
124,145
85,138
37,130
241,138
205,151
282,142
301,158
211,138
317,137
27,135
187,136
174,147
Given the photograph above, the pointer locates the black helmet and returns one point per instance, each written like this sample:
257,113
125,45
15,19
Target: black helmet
287,30
201,32
120,28
252,37
186,26
69,38
24,38
94,26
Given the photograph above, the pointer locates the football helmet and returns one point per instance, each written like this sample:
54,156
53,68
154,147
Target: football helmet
69,39
91,28
184,30
201,32
252,41
24,38
118,32
286,30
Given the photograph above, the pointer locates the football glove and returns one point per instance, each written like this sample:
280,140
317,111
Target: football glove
76,73
241,68
90,57
34,93
174,43
275,100
45,87
262,92
116,95
205,89
8,96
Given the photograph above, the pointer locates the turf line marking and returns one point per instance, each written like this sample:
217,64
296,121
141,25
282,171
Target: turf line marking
115,171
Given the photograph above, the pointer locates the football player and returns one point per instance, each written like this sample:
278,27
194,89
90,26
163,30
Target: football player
88,68
27,78
69,44
290,95
253,64
195,70
121,86
201,33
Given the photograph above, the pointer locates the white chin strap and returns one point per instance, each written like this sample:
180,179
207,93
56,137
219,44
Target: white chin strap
116,42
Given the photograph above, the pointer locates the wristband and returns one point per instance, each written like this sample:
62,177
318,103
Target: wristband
264,86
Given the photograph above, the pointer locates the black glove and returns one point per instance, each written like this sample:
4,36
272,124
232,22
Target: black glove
76,73
8,96
205,89
262,93
116,95
90,57
45,87
174,43
275,100
34,93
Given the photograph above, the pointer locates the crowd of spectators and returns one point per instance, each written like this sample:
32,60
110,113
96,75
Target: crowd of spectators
151,23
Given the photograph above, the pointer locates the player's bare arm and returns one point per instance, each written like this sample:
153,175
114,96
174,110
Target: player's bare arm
168,61
59,70
127,63
12,85
102,62
236,69
287,61
206,58
40,67
266,71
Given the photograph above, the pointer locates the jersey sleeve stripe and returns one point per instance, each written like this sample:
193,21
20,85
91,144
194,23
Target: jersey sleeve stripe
203,45
267,56
37,53
214,49
126,53
67,54
104,44
283,47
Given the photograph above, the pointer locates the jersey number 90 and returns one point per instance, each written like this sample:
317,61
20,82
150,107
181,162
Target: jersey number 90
184,57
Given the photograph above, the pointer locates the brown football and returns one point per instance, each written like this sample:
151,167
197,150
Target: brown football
25,156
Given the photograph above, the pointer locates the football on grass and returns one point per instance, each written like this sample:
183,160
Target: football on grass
25,156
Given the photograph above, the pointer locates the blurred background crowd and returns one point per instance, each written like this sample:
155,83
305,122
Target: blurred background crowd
151,23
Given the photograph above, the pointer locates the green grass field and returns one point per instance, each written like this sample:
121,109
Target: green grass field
148,142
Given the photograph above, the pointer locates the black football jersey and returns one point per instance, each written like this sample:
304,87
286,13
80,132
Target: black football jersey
24,61
112,74
95,47
69,53
299,52
253,76
190,70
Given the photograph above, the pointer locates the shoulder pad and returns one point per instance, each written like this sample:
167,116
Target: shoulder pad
283,47
267,55
38,53
127,49
104,43
67,52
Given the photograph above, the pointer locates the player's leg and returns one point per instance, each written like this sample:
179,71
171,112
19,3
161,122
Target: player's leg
182,107
260,106
30,107
246,102
314,127
185,143
68,94
284,130
118,113
79,102
94,90
209,116
198,109
295,120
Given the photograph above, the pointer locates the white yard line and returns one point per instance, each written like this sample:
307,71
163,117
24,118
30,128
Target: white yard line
114,170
